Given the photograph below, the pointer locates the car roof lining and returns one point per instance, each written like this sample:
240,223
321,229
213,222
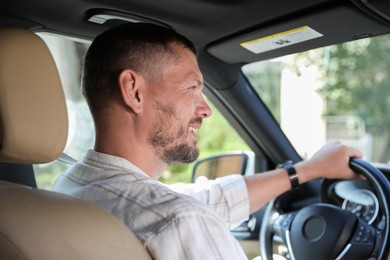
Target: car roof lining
221,18
228,24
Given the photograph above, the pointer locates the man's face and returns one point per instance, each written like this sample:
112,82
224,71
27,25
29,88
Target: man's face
179,109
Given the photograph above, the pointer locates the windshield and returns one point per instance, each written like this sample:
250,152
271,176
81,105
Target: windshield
339,92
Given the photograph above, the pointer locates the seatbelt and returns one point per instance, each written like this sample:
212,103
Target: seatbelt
66,159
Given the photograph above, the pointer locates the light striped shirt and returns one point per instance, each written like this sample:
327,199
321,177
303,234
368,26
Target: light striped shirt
171,225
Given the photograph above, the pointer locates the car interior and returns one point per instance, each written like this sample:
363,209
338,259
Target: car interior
232,38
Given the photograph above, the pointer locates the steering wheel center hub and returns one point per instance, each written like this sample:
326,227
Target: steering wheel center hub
314,228
321,230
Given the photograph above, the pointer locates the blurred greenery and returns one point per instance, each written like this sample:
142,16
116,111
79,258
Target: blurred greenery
265,77
46,174
356,83
359,83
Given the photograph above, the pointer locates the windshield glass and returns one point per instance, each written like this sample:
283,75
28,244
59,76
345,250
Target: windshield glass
339,92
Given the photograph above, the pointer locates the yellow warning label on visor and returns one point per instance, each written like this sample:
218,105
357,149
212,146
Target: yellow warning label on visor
282,39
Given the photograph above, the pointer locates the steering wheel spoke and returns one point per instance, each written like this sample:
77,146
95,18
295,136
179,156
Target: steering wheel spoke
362,244
281,226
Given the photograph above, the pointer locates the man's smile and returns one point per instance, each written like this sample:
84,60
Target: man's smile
193,129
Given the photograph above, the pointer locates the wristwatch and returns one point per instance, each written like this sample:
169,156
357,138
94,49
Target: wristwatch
292,173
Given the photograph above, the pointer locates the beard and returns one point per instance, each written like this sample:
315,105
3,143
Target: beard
181,153
169,145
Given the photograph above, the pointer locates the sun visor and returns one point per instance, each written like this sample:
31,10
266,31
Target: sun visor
308,31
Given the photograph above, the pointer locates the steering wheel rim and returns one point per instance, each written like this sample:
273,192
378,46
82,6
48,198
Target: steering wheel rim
379,182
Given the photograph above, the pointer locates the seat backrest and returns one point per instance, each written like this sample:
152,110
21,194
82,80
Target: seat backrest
38,224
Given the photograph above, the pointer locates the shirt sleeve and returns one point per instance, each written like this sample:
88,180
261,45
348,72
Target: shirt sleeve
227,196
195,236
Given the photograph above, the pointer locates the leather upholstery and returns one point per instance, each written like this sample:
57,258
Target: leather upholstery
38,224
33,114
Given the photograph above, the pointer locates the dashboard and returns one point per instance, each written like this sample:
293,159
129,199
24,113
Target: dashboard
356,196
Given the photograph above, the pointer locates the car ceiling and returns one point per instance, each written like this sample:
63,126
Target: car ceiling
216,25
203,21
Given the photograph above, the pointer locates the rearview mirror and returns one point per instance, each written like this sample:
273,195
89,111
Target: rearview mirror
212,167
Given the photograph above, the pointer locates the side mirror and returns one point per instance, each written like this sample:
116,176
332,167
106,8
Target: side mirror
212,167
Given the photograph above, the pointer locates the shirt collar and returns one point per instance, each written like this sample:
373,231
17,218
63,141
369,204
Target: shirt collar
103,159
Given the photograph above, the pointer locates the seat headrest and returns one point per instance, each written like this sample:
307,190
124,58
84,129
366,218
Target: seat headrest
33,114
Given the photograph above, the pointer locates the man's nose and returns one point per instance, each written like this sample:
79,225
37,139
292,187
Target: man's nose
203,110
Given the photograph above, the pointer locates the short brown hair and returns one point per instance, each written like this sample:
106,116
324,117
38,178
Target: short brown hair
136,46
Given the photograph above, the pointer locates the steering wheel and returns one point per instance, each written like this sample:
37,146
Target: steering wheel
324,231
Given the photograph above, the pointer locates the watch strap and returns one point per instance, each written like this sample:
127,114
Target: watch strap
292,173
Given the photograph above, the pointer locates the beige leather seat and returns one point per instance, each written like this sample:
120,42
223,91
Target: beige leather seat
38,224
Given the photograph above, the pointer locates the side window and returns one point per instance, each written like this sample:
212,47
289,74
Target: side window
216,134
69,56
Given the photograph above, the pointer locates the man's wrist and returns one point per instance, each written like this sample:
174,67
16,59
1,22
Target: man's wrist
292,173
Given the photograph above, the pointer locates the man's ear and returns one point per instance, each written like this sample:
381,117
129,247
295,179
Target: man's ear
130,84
